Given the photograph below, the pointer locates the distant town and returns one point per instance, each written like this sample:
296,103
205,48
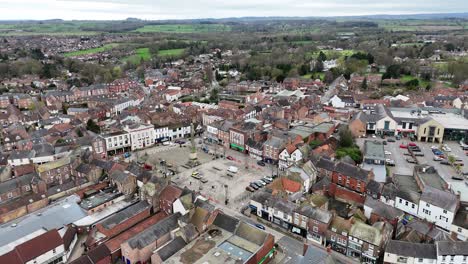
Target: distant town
248,141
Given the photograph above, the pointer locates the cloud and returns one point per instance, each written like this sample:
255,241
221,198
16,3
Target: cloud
186,9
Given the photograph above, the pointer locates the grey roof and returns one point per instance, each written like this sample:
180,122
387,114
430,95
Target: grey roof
125,214
57,215
120,176
374,150
382,209
314,255
14,183
439,198
352,171
155,232
408,249
226,222
326,164
251,233
261,197
42,150
205,205
315,213
446,248
171,248
274,142
21,154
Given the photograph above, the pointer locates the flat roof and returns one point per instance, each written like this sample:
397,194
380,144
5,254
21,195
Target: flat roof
98,199
374,150
57,215
107,211
451,121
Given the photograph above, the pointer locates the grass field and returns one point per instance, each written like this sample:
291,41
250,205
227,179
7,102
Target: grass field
91,51
407,78
182,28
333,54
171,52
140,54
422,25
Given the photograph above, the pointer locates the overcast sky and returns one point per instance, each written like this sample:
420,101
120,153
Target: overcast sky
184,9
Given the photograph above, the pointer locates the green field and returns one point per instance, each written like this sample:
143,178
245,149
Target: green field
171,52
422,25
25,29
333,54
140,54
183,28
91,51
406,78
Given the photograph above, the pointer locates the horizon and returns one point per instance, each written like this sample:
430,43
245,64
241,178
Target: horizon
32,10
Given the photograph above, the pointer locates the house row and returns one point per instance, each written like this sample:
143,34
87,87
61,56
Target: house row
353,238
442,252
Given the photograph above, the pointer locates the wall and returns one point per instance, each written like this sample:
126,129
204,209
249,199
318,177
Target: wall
435,213
406,208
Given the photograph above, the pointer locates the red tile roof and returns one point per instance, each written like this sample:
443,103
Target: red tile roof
39,245
170,193
290,185
11,257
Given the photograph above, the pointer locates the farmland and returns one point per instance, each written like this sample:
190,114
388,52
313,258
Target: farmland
333,54
140,54
183,28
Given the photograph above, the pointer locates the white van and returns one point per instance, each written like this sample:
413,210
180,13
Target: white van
233,169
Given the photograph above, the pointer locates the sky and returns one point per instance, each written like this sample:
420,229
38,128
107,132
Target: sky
187,9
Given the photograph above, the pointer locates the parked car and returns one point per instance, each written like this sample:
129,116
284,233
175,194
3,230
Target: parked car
458,163
419,154
414,148
250,189
259,226
266,180
410,160
446,148
403,146
457,178
412,144
437,158
261,183
254,186
229,158
391,140
384,142
203,180
390,162
445,162
388,152
398,137
261,163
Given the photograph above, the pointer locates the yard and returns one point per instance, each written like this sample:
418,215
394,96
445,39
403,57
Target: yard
182,28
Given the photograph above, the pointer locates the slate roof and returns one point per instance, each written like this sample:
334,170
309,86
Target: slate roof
384,210
450,248
409,249
326,164
99,253
14,183
226,222
125,214
315,213
439,198
171,248
154,232
351,171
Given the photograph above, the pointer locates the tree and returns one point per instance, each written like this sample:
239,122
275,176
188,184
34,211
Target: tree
364,84
346,138
92,126
412,84
322,56
393,72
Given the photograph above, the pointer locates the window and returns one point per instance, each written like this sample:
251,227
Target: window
452,258
425,130
315,229
401,200
428,205
333,238
10,195
406,203
459,231
420,260
445,211
412,206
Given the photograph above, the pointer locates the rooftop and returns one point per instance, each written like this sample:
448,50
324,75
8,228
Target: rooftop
98,199
374,150
408,249
125,214
57,215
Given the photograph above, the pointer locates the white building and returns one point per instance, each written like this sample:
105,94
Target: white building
161,133
179,131
398,252
449,252
336,102
407,201
287,159
123,104
141,135
438,207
